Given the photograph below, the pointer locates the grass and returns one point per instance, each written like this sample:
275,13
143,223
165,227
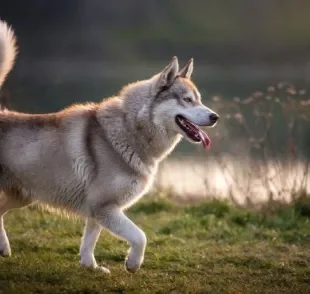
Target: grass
209,247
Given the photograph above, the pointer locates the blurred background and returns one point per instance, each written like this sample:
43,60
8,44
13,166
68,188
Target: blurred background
251,65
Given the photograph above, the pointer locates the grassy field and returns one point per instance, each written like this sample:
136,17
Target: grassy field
209,247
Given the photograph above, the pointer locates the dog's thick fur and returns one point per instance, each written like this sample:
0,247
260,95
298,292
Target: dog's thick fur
94,160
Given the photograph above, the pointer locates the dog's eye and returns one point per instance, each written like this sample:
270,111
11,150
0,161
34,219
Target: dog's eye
187,99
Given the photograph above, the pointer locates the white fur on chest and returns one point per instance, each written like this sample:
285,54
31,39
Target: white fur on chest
118,187
132,189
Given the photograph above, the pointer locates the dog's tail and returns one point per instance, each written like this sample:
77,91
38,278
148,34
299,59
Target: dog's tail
8,50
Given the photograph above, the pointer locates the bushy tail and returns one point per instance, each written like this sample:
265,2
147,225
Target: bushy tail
8,50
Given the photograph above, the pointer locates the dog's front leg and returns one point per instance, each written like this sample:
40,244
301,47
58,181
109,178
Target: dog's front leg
113,219
90,236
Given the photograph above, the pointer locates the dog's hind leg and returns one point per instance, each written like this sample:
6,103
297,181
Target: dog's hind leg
90,236
7,203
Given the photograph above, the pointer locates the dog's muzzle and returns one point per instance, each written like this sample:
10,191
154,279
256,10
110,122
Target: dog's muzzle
191,119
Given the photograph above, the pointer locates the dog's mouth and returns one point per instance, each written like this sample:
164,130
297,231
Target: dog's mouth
192,131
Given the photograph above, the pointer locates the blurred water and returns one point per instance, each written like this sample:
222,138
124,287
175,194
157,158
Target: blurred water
236,178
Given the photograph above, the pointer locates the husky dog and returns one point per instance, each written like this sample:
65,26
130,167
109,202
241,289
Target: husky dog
97,159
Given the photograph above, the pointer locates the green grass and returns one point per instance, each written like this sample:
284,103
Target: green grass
210,247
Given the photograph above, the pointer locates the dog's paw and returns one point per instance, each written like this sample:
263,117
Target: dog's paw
103,269
131,268
133,264
5,252
90,262
5,249
99,268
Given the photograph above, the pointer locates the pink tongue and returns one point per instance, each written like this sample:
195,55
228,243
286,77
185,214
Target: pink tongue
205,139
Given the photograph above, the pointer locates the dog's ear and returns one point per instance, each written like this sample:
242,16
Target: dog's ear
167,76
187,70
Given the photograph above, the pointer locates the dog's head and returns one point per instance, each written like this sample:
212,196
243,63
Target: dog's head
177,104
166,106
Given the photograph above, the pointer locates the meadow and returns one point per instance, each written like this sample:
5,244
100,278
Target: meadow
210,247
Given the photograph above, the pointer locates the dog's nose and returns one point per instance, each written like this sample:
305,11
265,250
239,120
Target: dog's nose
214,117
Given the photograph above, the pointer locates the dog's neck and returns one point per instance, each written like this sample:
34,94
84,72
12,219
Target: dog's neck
155,141
141,144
